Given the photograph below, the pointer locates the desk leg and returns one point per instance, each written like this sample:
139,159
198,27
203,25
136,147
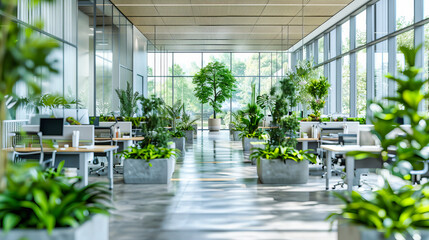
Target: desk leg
350,167
304,145
328,168
110,169
83,168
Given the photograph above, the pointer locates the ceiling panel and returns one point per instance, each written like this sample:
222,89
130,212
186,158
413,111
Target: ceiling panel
228,25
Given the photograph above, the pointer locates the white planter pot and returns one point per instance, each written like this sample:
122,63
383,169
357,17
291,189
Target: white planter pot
139,171
276,171
236,135
189,137
214,124
348,231
97,228
180,144
247,141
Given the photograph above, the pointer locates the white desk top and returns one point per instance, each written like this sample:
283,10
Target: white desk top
350,148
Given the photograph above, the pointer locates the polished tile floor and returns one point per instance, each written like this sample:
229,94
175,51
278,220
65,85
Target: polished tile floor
215,195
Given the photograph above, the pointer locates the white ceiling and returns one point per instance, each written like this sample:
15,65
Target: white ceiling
228,25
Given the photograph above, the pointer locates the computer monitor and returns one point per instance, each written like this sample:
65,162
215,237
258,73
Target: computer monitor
52,126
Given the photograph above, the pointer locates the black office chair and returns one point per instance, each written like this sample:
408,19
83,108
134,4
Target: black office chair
45,159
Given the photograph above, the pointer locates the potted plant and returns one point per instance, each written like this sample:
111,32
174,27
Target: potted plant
37,204
128,99
400,210
214,84
175,112
149,164
318,90
250,118
282,165
187,126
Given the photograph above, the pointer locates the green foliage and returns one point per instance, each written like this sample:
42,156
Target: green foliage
259,134
318,90
72,121
286,132
283,153
135,121
159,137
187,123
38,103
214,84
177,134
251,116
174,112
38,199
153,111
390,210
128,99
149,152
266,102
410,93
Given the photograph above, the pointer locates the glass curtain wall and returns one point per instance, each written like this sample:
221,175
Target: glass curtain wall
261,69
365,45
105,49
59,19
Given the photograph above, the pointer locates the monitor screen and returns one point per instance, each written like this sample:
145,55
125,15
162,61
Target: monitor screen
52,126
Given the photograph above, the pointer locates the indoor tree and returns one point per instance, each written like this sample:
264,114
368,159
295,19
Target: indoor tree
214,84
318,89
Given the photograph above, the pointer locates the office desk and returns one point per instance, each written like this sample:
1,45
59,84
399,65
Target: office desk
350,161
78,158
305,142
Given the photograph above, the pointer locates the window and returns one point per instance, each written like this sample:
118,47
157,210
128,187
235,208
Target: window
332,44
404,13
245,64
220,57
361,29
404,39
345,85
321,45
380,11
380,71
345,37
186,64
361,82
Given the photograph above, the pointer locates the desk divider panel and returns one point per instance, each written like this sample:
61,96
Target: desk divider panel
86,134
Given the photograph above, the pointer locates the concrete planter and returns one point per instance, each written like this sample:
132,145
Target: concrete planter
83,232
214,124
139,171
236,135
276,171
253,147
348,231
189,136
195,126
180,144
247,141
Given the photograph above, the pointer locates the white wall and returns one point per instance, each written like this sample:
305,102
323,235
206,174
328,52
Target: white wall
140,62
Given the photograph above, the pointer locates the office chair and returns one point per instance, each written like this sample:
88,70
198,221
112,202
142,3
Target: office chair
96,160
340,159
45,159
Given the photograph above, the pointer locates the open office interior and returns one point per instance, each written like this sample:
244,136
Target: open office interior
214,119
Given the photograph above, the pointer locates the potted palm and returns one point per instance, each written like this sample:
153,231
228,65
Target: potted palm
128,99
214,84
397,210
251,116
187,126
175,112
37,204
